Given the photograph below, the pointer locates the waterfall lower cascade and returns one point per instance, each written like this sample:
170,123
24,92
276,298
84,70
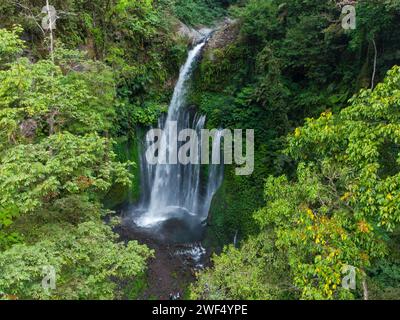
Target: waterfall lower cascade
176,195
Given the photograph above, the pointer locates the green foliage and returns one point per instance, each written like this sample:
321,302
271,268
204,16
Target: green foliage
56,163
367,135
136,288
35,174
315,240
127,151
6,219
332,199
248,273
342,206
232,209
136,38
195,12
85,258
148,115
297,58
285,62
10,44
129,116
38,99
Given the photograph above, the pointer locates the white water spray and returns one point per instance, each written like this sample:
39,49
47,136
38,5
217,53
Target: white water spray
176,190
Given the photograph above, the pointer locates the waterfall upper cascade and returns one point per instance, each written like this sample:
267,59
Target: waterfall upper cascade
176,191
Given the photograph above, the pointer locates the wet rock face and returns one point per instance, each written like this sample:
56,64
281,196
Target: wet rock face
192,35
226,33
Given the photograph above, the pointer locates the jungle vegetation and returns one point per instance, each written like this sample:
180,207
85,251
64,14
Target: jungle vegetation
324,103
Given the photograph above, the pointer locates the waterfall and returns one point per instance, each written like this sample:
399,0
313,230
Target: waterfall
177,190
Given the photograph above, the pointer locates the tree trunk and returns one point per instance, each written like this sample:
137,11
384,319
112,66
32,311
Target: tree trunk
375,58
51,31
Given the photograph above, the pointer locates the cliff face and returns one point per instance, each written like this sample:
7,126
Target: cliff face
191,35
226,33
223,33
232,206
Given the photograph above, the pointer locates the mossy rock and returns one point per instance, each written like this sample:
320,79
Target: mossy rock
126,150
